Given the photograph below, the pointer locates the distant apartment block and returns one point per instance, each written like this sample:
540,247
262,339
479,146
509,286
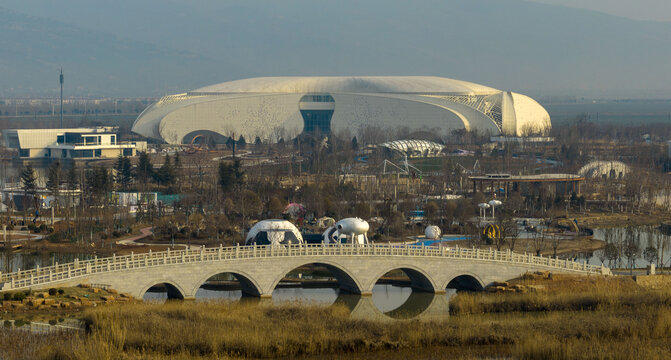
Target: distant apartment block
77,143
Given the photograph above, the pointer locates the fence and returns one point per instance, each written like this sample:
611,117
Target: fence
60,272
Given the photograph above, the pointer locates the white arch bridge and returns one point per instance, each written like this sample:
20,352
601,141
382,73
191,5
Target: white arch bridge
259,269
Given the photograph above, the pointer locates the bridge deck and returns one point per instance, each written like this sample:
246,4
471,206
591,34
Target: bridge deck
41,277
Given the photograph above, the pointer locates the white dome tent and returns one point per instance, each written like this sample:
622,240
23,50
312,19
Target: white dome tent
349,230
273,232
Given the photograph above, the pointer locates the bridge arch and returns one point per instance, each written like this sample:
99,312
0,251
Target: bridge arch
174,290
346,280
248,284
465,281
419,279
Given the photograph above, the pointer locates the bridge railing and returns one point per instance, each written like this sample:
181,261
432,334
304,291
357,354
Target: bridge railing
80,268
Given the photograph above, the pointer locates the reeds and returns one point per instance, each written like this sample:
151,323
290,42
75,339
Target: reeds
602,321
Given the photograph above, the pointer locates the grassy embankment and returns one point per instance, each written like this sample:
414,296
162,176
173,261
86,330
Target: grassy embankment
565,318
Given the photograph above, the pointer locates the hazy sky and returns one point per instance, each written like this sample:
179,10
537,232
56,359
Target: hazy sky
593,48
658,10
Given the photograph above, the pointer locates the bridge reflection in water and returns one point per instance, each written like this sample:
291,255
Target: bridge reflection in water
387,303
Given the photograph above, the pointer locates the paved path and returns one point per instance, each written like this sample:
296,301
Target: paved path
145,233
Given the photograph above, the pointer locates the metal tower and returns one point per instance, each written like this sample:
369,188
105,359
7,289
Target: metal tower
61,81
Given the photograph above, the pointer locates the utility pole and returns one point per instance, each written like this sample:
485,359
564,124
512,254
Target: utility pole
60,78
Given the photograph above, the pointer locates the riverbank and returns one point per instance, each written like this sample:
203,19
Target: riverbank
565,317
605,219
65,300
566,246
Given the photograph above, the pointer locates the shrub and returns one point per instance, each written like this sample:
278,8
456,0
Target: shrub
55,237
61,291
19,296
23,228
10,227
116,233
7,296
52,291
31,227
43,227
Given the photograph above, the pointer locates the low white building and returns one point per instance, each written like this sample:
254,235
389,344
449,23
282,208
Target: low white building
76,143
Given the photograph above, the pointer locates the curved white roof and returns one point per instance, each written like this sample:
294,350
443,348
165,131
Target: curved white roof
349,84
408,147
615,169
259,106
275,230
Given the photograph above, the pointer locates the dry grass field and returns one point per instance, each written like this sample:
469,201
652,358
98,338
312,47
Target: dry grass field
565,318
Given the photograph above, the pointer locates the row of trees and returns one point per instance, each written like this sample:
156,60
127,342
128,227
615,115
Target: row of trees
624,246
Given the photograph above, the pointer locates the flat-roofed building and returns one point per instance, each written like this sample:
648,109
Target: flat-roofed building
75,143
503,184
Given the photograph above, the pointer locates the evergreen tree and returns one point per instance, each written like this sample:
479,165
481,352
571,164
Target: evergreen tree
145,169
230,144
124,174
166,173
177,167
29,182
71,178
54,178
242,142
230,175
355,144
97,184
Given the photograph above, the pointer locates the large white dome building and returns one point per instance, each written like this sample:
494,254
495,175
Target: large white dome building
274,107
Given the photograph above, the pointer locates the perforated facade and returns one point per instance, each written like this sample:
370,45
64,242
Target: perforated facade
271,108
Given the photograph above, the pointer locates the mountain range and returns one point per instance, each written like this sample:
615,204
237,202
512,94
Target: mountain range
155,47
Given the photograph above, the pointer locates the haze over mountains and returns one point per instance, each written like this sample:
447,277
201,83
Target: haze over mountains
154,47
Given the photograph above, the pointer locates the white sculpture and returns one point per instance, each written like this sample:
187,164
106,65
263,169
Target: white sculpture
351,230
432,232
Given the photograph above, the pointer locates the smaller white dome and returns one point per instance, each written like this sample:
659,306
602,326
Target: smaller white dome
609,169
432,232
273,232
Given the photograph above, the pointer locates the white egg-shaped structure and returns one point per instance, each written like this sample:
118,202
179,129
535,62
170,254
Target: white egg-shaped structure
352,226
273,232
349,230
432,232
